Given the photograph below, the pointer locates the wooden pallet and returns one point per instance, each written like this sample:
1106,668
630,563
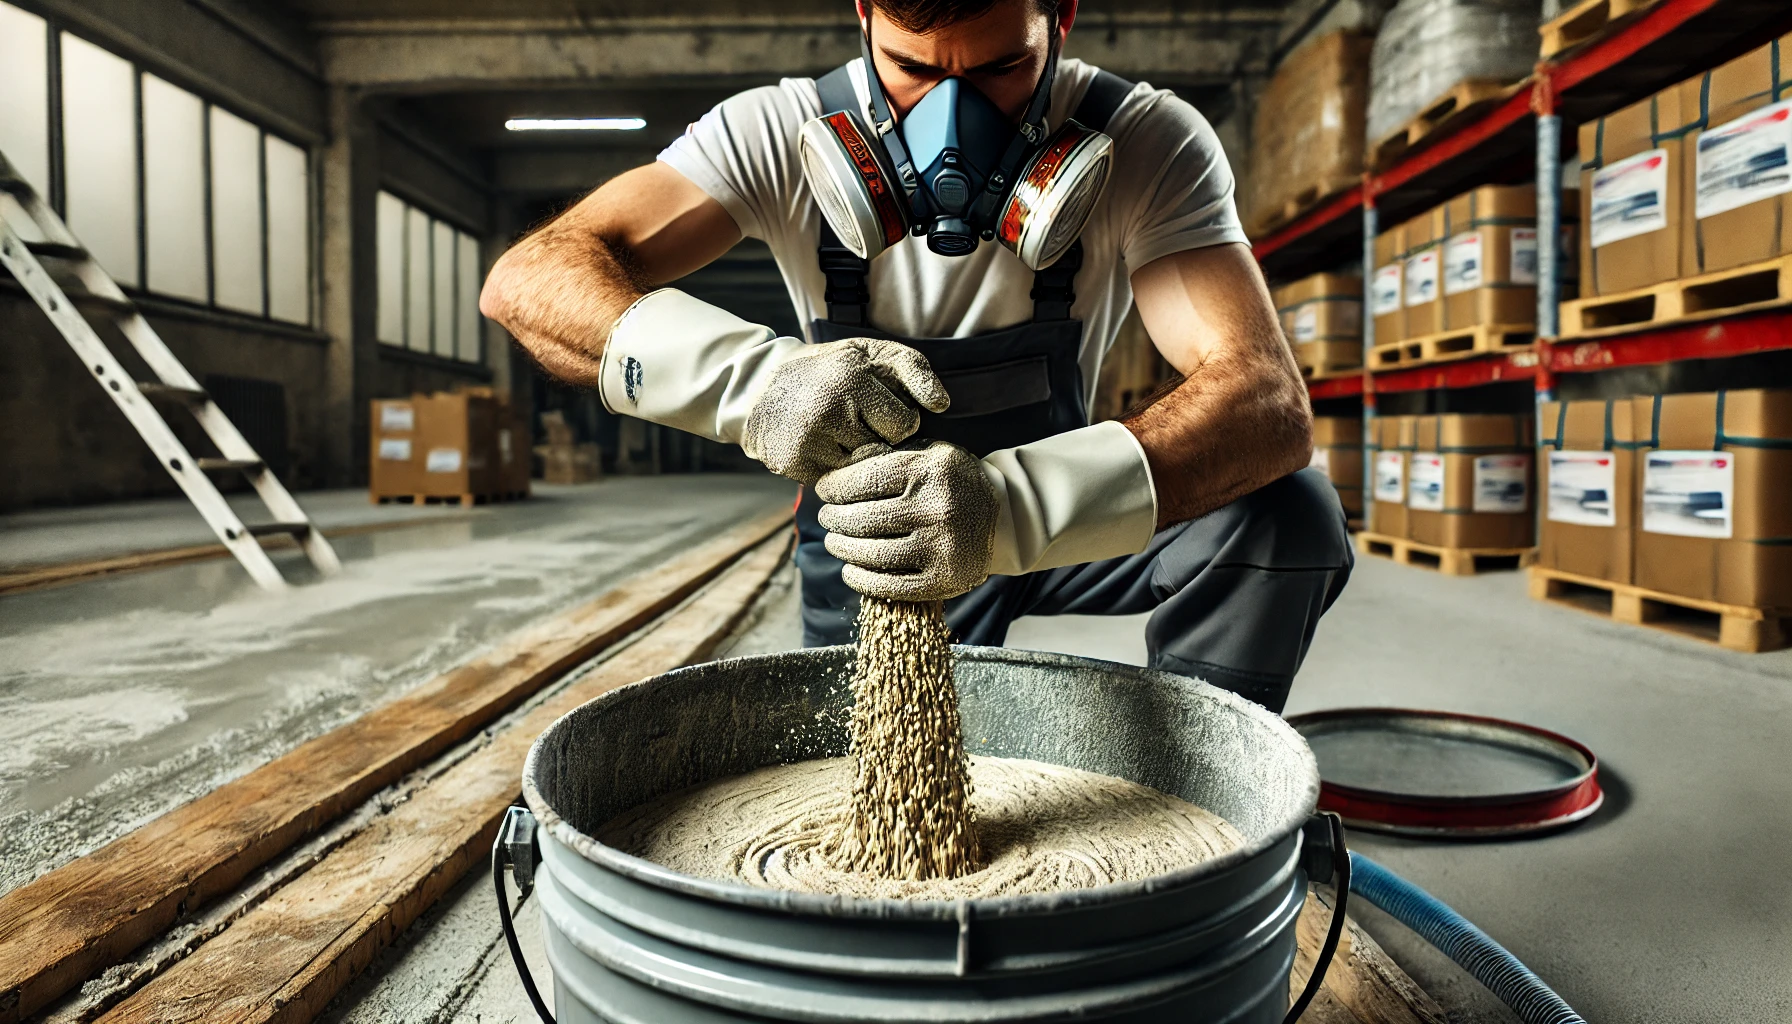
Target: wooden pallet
1322,360
1306,199
1448,345
1736,627
1585,22
463,500
1449,561
1757,286
1462,102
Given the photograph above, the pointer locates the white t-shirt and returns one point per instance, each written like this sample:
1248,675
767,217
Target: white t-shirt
1170,190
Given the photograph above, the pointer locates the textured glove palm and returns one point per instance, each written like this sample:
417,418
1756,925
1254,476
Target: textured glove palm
829,400
911,525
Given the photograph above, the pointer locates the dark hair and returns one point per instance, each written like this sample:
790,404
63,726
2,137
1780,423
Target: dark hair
922,16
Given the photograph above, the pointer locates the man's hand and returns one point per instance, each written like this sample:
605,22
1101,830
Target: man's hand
911,525
829,400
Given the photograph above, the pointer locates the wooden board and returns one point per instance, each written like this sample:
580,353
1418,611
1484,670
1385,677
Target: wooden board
1444,346
84,916
52,575
1736,627
1748,289
1449,561
1363,985
285,959
1460,103
1585,22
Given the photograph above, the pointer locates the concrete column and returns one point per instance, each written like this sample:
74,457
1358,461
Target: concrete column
349,285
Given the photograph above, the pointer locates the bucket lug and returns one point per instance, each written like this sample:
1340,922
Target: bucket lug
1318,849
516,840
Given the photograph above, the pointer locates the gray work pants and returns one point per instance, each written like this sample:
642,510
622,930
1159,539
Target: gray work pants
1235,595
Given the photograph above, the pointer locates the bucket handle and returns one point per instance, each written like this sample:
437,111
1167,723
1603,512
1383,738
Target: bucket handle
1326,860
516,847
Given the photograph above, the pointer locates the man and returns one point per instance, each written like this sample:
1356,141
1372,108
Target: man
1197,506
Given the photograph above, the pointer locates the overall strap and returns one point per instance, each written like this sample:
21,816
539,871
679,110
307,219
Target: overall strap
1105,94
1054,287
847,296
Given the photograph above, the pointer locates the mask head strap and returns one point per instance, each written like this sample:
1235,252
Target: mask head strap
885,119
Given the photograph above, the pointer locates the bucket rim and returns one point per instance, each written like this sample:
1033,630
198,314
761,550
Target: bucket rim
835,905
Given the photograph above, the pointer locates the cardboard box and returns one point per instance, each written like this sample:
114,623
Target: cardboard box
1308,130
1586,471
1715,489
1388,300
395,465
1738,192
570,463
1469,481
1424,274
513,451
1490,258
1338,453
1395,438
1322,316
1632,198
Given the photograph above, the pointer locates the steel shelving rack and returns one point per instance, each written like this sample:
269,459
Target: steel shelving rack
1524,137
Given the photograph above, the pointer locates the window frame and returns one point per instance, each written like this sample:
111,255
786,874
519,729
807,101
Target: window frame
404,268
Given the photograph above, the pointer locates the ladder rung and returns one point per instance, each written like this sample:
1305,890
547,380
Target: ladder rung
246,465
276,529
104,304
156,389
57,251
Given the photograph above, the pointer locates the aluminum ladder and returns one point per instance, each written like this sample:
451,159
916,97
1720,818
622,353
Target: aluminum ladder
101,298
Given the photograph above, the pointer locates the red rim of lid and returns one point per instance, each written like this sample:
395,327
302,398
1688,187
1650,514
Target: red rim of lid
1501,813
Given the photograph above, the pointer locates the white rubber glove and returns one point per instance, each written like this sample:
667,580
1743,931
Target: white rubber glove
913,525
800,409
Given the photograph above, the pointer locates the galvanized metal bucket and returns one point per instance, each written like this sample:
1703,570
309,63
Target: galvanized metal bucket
631,942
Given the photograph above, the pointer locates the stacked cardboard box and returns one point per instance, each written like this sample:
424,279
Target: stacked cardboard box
1633,169
443,446
563,459
1322,316
1738,194
1338,453
1468,481
1423,270
1715,513
1587,472
1307,140
1387,298
1394,439
1490,258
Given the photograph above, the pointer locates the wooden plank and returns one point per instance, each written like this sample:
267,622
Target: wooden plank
1734,627
284,960
67,925
1362,978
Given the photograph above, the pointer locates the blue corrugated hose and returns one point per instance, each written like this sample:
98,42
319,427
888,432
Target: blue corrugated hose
1503,974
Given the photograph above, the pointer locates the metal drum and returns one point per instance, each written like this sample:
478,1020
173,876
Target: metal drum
633,943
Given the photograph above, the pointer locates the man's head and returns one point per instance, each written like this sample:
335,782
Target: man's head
999,46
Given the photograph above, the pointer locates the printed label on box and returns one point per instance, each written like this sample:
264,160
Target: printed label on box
1322,460
397,416
1421,278
395,449
1306,323
1745,161
1390,476
1464,267
1425,482
1630,197
1688,494
1583,488
504,455
1387,289
443,460
1524,257
1503,483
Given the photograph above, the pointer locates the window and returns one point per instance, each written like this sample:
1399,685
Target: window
429,278
218,211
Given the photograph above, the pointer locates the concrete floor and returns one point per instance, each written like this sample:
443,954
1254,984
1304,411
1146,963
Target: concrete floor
124,696
1671,905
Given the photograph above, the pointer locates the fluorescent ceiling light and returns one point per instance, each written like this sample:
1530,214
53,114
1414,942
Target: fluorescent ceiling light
575,124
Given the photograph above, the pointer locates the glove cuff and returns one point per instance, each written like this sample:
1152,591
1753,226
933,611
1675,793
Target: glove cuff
1075,497
678,360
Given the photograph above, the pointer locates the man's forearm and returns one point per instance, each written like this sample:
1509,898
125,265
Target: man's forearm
559,292
1236,423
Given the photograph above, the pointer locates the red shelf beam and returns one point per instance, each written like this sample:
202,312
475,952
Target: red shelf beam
1335,387
1712,339
1515,109
1620,46
1461,373
1346,204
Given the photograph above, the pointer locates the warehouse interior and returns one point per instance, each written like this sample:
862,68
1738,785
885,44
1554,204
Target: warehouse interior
302,548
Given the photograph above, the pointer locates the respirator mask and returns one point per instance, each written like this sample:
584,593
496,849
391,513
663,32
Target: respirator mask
956,170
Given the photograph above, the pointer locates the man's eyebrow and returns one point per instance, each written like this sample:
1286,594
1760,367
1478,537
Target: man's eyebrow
915,63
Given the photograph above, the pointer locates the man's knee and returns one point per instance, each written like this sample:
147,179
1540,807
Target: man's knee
1293,523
